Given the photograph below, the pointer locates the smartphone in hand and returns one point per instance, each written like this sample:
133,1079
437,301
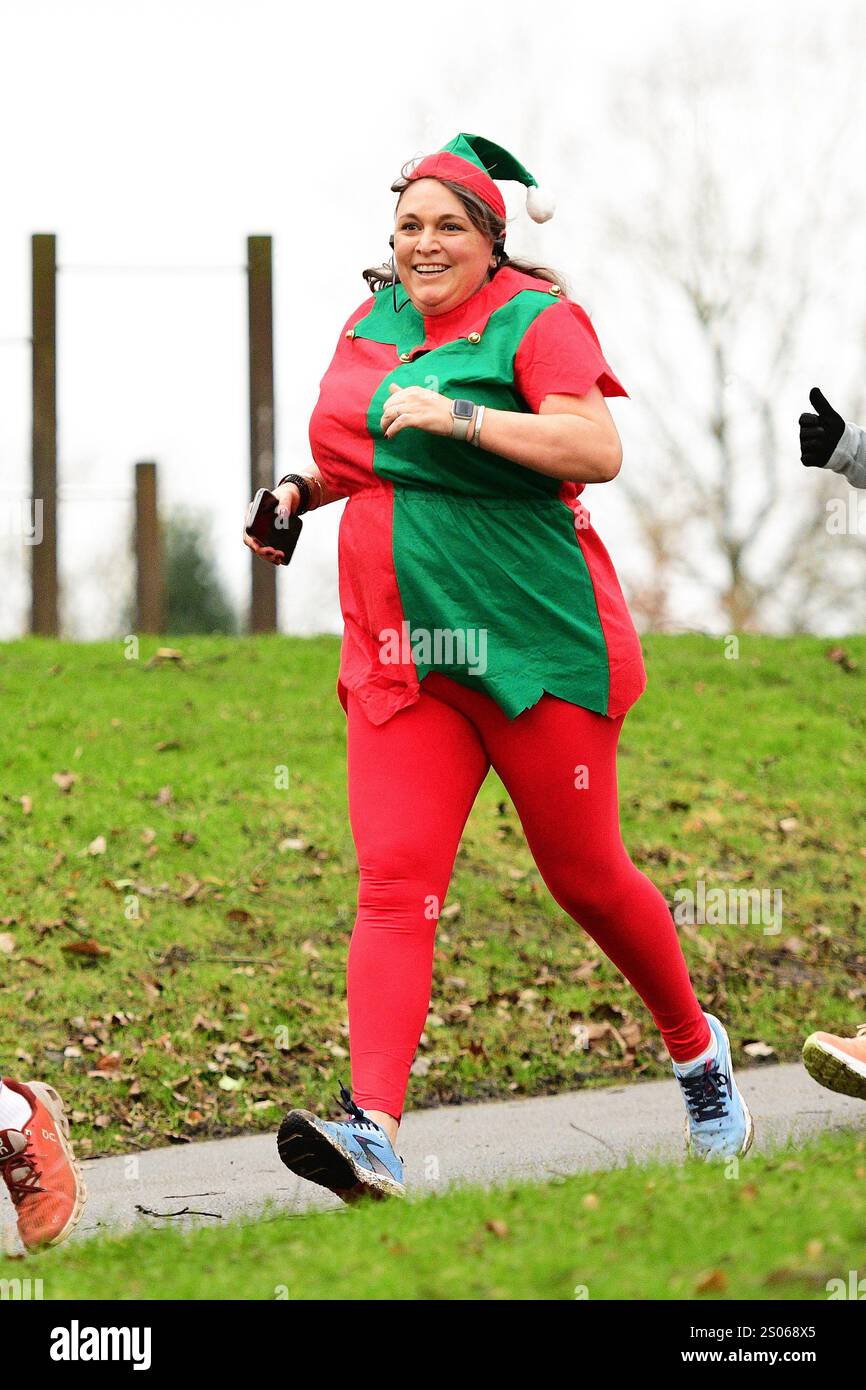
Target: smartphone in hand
273,525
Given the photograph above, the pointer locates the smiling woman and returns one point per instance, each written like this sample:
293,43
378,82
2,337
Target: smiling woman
471,210
462,414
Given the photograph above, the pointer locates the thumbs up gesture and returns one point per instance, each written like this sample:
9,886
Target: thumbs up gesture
819,434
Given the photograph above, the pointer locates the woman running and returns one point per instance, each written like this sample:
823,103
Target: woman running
462,414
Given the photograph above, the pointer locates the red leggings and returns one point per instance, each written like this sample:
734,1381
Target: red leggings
412,782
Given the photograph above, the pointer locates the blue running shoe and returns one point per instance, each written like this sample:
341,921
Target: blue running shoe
718,1123
354,1159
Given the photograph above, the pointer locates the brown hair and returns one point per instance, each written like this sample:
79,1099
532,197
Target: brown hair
482,216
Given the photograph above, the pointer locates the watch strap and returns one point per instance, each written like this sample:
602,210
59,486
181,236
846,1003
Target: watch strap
460,423
303,486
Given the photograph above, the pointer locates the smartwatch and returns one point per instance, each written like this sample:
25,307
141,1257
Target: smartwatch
462,415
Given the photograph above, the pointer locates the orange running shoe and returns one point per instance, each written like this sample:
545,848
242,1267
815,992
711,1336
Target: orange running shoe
838,1063
40,1169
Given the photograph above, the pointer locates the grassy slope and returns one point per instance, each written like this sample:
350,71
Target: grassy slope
224,1001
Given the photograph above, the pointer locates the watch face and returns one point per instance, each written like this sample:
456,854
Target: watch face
464,410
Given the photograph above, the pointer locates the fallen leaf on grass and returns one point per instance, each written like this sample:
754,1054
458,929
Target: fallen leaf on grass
111,1061
457,1013
585,1034
840,657
165,654
630,1034
499,1228
291,843
89,947
793,945
97,846
7,943
585,971
711,1281
207,1025
151,987
64,780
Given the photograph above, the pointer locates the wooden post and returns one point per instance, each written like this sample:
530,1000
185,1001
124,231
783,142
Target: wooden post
263,608
148,554
44,602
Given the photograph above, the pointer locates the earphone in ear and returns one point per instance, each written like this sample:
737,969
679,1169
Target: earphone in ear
391,241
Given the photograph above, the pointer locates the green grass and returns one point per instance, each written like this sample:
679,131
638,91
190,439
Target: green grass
780,1227
226,906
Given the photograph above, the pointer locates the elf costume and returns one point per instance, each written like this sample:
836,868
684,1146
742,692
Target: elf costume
441,536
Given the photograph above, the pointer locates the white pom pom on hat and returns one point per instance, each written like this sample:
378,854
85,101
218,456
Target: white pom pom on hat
540,204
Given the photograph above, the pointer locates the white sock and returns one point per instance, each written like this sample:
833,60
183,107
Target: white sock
14,1110
704,1056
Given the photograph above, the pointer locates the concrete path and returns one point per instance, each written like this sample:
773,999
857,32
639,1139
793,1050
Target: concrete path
488,1143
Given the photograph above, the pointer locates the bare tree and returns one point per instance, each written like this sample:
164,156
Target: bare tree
730,249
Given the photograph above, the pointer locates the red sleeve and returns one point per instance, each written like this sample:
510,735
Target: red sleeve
560,354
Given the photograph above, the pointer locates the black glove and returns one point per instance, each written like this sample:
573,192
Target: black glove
819,434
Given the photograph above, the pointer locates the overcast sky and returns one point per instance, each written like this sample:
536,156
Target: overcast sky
162,134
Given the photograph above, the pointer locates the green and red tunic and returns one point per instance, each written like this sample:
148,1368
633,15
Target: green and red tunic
441,537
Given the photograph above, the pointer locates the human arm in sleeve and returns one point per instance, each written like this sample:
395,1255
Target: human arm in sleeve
561,373
849,456
828,441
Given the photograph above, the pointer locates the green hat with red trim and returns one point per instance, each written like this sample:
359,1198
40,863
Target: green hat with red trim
474,162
